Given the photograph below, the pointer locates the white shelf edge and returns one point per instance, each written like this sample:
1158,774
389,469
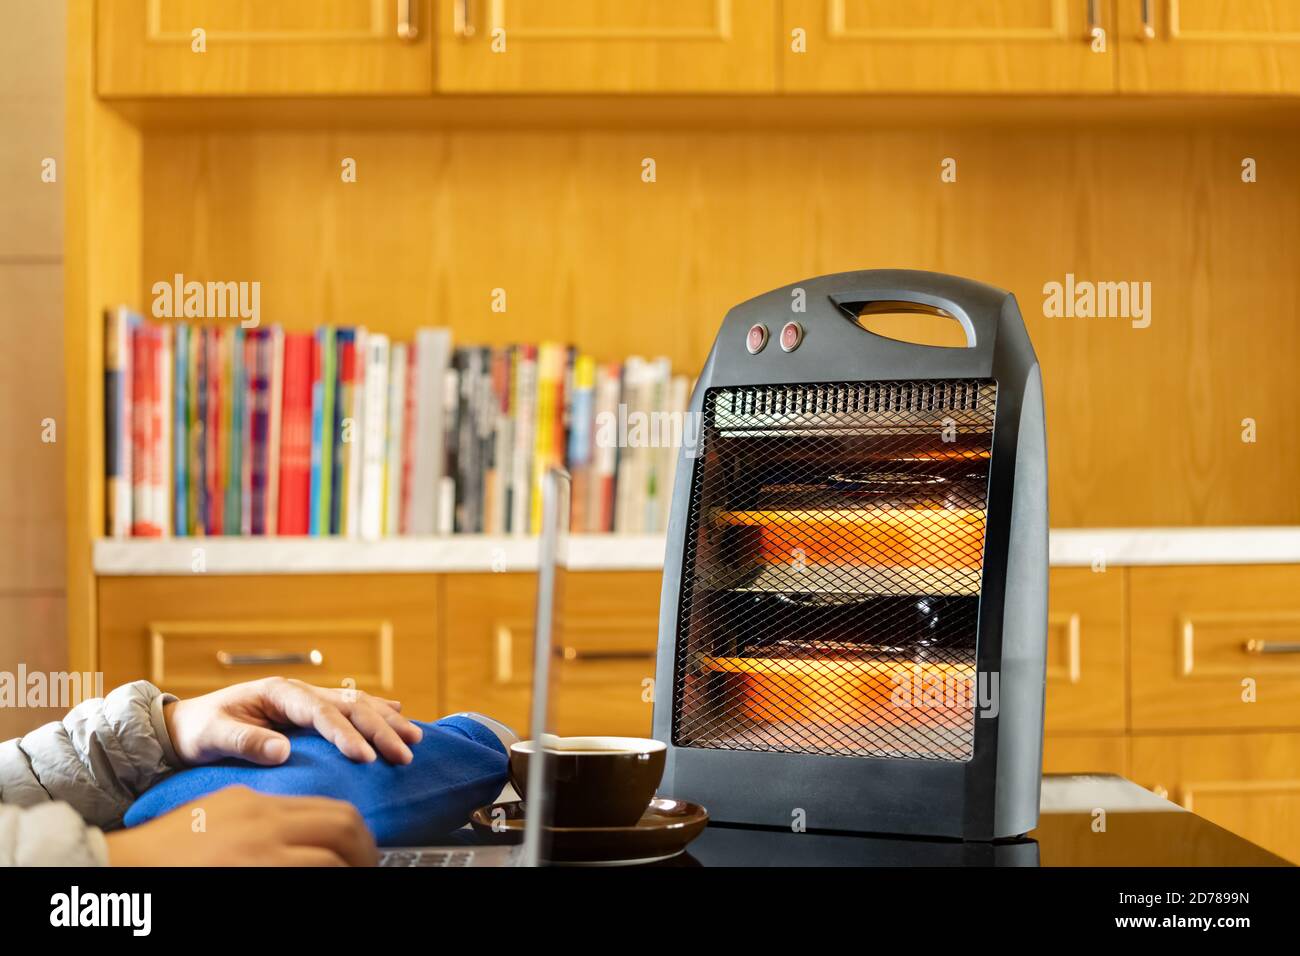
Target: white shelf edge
417,555
1069,547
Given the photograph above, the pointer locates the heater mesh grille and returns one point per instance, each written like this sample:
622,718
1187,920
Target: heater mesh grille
832,569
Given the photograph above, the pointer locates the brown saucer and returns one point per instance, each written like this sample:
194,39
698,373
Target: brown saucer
663,831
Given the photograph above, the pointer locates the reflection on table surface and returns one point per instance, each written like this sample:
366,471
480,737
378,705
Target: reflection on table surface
1099,820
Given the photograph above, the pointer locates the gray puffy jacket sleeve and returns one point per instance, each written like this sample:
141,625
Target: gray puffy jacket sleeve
64,782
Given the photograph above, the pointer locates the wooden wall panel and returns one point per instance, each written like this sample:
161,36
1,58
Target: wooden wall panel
31,636
1144,425
31,103
31,478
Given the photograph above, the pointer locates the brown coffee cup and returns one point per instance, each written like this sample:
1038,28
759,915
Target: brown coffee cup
598,781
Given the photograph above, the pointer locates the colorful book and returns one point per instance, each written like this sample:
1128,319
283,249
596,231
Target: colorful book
180,429
296,427
118,352
374,444
274,428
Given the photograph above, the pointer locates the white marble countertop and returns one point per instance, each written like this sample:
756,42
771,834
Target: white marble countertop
1113,547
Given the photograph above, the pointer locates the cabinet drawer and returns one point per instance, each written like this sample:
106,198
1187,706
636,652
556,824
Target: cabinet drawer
1206,640
1247,783
1085,650
191,635
608,631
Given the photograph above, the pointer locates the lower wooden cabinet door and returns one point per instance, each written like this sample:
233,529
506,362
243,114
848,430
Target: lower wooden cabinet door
1215,648
1086,754
605,649
1248,783
194,634
1085,651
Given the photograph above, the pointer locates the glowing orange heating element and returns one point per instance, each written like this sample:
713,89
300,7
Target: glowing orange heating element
902,537
851,693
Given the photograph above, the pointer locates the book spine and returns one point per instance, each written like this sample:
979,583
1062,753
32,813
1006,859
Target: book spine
446,511
162,430
217,423
343,429
117,423
374,440
409,428
199,436
180,429
525,392
274,428
330,399
356,412
581,421
319,481
257,467
296,426
141,414
395,440
433,348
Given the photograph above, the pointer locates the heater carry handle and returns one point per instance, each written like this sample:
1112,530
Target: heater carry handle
978,308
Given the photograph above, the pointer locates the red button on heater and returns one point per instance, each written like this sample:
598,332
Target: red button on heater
791,336
756,338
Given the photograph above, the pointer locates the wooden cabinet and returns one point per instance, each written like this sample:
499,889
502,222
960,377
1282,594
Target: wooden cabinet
1210,46
606,46
193,635
1246,783
250,47
944,46
1086,754
1085,650
1215,647
609,625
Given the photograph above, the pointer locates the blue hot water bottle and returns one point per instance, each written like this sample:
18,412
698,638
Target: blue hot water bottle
459,765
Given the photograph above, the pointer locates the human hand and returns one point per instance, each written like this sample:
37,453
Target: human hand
237,721
241,827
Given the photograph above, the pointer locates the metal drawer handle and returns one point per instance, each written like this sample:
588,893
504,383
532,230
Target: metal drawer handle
407,29
462,25
1094,25
266,658
577,654
1271,647
1148,24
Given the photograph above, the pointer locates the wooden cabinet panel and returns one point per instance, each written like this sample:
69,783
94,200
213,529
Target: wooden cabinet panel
1088,754
1210,46
943,46
1246,783
1085,650
194,634
1206,640
608,631
148,47
607,46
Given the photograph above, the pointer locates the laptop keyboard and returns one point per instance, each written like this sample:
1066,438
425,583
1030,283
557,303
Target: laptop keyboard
426,858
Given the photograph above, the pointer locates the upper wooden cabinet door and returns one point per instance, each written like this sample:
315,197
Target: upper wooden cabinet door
252,47
1210,46
606,46
945,46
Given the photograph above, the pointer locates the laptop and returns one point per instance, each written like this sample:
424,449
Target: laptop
552,560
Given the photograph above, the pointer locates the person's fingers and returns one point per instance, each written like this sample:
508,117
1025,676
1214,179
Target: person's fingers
376,729
232,738
307,706
349,701
331,825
